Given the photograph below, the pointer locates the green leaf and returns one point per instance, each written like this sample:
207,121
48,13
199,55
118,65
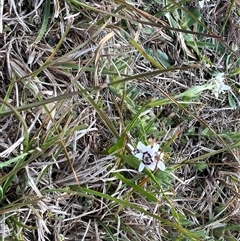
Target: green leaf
137,188
189,21
147,56
183,220
200,44
164,177
194,92
132,161
159,56
15,159
44,22
163,58
107,229
200,166
231,101
1,193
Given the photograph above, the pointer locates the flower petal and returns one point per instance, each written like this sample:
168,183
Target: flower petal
152,166
151,150
139,155
141,167
155,147
141,147
219,77
225,87
161,166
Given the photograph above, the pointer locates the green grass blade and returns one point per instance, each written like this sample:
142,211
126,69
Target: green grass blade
46,15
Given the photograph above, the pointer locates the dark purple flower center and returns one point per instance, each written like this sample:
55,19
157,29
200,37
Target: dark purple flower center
146,159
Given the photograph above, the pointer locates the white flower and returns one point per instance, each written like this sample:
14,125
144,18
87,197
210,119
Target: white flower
218,85
149,155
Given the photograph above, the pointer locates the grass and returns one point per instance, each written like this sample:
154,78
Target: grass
81,82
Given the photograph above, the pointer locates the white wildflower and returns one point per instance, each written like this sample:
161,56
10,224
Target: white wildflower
149,155
218,86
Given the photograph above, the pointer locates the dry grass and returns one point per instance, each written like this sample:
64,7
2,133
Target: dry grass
79,81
